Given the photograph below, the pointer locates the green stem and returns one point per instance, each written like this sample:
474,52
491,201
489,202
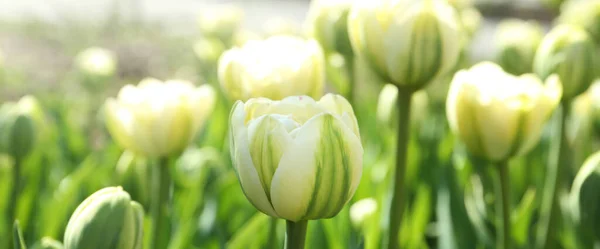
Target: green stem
503,208
397,205
272,240
550,209
350,65
161,229
11,212
295,234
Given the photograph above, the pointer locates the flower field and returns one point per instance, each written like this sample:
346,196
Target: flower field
370,124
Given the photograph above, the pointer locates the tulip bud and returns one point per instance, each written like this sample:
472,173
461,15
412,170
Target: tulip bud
207,51
408,43
155,118
362,210
221,23
568,52
585,14
48,243
498,115
17,131
96,66
107,219
274,68
517,42
328,24
584,199
297,159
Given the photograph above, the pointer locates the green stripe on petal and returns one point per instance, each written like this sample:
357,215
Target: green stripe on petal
268,140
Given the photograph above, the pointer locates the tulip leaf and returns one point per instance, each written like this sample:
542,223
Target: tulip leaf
18,241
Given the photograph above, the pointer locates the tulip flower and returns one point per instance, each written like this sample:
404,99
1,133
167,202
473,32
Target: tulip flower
221,22
408,43
584,14
497,116
157,119
517,42
96,66
569,52
583,201
274,68
327,21
297,159
108,219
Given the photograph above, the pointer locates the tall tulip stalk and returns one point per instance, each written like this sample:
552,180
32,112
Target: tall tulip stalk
568,53
296,159
499,116
409,44
158,120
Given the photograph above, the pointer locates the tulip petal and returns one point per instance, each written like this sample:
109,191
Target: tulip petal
242,161
319,172
269,138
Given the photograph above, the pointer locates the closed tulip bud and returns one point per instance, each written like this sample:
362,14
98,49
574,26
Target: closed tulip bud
498,115
361,211
96,66
408,43
107,219
297,159
585,14
221,22
516,43
17,131
156,119
274,68
48,243
207,51
584,199
328,24
568,52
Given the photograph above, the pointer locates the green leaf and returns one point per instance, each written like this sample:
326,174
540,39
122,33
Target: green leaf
18,241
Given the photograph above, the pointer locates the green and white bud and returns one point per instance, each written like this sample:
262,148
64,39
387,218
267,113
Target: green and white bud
408,43
584,201
274,68
498,115
17,130
328,24
569,52
107,219
516,43
297,159
582,13
221,22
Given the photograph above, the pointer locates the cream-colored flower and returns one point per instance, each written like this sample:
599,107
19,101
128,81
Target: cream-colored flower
297,159
408,43
97,61
157,118
274,68
498,115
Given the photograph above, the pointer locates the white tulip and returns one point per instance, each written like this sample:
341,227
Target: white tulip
498,115
297,159
157,118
